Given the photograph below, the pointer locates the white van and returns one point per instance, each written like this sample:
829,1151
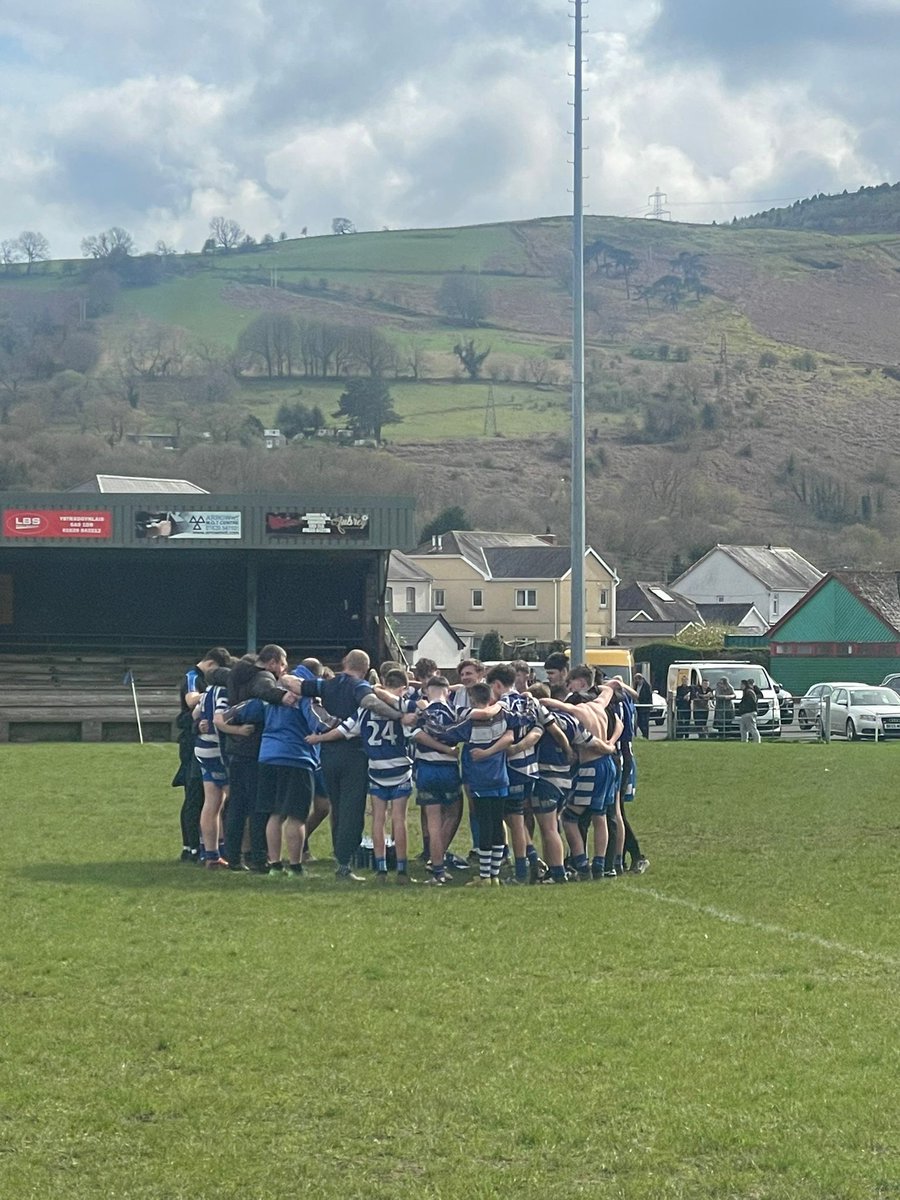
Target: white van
711,670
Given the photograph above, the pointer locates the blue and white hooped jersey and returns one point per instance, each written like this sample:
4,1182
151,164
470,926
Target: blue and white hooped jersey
386,745
553,766
207,745
524,713
433,769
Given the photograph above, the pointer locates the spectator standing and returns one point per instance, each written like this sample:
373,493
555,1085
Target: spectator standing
643,704
747,709
724,706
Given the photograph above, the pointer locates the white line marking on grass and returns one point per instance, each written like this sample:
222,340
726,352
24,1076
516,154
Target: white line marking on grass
793,935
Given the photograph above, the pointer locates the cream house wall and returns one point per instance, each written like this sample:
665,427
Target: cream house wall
550,619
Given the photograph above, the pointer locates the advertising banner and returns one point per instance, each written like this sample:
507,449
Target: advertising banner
167,525
321,524
55,523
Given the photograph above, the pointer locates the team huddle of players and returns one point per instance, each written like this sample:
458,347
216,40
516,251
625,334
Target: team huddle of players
548,761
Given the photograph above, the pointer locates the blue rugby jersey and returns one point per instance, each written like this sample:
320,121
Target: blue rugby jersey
284,741
435,771
488,776
386,745
553,767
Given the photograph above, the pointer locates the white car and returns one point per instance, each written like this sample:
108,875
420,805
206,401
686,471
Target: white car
658,711
860,711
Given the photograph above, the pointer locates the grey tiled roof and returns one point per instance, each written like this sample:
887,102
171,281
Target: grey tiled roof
637,596
528,562
404,569
778,568
412,627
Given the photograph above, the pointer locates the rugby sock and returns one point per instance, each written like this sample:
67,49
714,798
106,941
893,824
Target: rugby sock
402,865
381,865
619,862
557,872
484,864
426,848
530,853
599,863
580,862
521,868
497,859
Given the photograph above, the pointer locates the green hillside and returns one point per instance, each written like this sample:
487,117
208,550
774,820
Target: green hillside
742,382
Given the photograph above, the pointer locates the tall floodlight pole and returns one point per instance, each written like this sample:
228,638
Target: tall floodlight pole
577,523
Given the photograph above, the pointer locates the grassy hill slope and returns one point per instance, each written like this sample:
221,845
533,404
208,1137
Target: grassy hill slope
756,408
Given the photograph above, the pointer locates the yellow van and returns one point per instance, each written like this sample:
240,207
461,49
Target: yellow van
612,660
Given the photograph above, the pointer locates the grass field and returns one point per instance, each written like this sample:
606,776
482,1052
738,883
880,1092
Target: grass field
724,1026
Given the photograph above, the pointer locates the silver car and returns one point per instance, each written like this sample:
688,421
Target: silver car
860,711
810,706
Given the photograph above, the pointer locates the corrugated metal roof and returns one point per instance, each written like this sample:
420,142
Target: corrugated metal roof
880,589
778,567
848,606
140,486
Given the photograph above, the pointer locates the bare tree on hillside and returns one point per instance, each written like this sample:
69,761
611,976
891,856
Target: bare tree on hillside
226,233
465,297
112,243
10,254
34,247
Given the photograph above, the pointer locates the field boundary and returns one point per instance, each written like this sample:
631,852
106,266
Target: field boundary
793,935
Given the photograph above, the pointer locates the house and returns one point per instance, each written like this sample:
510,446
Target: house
428,635
646,612
743,616
518,584
409,586
847,627
773,578
274,439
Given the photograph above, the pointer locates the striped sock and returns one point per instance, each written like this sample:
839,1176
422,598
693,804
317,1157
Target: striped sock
484,864
496,860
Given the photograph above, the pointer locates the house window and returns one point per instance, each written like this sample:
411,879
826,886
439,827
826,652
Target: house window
477,598
775,606
389,600
526,598
437,598
604,597
410,599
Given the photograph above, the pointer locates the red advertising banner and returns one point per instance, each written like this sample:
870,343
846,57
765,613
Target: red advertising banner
55,523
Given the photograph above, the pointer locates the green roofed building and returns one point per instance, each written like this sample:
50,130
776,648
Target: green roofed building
846,627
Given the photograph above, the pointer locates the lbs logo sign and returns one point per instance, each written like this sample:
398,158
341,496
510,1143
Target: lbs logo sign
55,523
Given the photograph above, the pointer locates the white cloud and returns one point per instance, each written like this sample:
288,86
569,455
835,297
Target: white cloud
436,112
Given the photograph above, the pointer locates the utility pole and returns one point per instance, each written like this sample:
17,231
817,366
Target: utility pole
577,535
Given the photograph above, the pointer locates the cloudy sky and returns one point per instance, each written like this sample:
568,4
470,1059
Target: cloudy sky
285,113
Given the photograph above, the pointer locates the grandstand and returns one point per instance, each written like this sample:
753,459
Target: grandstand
96,585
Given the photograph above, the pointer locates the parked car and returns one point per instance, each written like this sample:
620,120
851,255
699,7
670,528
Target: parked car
892,681
865,711
810,705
